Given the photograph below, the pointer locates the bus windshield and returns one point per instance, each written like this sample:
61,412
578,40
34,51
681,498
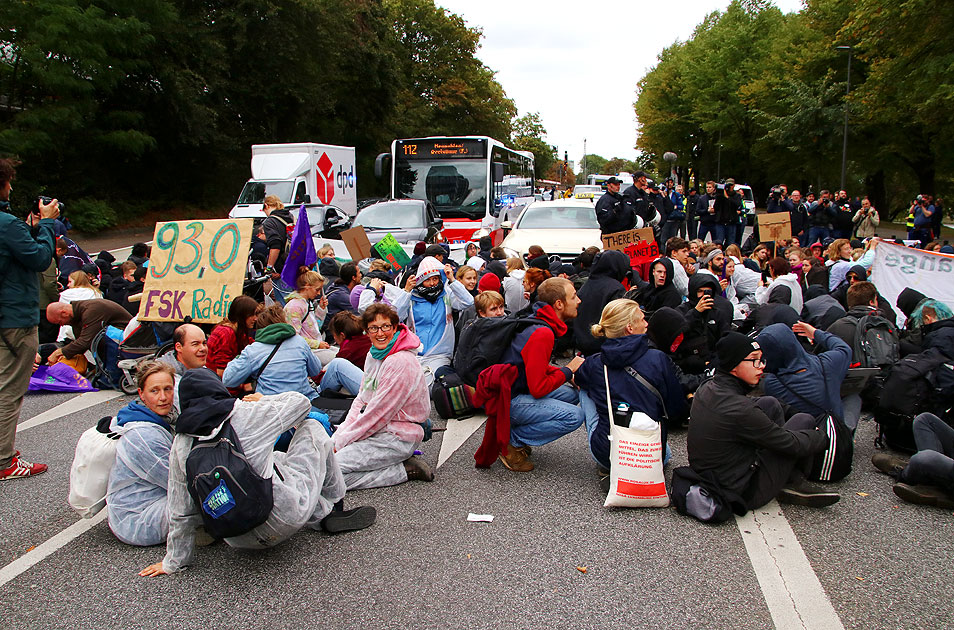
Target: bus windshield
457,188
255,192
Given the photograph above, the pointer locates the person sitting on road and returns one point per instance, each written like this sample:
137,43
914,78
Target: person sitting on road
348,333
928,477
626,348
307,485
708,314
136,495
661,292
712,263
376,443
427,305
544,406
810,383
87,318
754,447
190,349
488,303
467,276
233,334
781,273
306,309
339,293
602,287
512,285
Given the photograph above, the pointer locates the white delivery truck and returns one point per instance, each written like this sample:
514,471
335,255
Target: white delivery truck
322,176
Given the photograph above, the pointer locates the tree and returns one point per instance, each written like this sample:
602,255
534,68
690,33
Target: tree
528,135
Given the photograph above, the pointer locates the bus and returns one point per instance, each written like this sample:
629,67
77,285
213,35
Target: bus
600,180
475,182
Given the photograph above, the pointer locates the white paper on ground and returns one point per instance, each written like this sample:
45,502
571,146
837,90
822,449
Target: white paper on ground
480,518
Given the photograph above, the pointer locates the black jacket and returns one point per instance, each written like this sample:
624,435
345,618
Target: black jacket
702,210
729,434
638,200
275,226
603,286
940,335
728,210
652,298
614,214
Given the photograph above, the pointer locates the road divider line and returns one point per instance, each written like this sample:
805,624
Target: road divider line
44,550
458,431
78,403
795,597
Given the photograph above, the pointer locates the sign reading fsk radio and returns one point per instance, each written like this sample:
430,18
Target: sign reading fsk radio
196,269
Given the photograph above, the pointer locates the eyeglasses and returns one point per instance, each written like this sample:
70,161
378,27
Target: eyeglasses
755,362
383,328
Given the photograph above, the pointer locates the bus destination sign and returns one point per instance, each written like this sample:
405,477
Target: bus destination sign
429,149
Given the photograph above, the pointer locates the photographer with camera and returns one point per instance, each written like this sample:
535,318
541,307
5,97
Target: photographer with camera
729,212
866,220
799,215
24,254
820,215
923,220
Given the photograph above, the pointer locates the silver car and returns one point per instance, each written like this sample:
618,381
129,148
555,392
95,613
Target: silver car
408,220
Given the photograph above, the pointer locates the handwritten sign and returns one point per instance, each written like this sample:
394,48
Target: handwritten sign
196,269
356,240
622,240
775,226
390,250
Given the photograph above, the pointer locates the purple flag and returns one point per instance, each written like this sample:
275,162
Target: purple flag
301,251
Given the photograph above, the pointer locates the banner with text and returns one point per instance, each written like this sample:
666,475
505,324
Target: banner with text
196,269
896,268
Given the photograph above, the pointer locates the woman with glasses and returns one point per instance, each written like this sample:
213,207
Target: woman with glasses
375,444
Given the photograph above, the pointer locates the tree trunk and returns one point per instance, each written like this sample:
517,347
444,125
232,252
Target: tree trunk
875,189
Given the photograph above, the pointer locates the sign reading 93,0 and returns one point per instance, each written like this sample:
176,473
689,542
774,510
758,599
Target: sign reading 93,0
196,269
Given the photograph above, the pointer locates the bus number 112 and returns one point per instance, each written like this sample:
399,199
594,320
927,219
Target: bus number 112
410,149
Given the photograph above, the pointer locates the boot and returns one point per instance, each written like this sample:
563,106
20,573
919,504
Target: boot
516,459
801,492
890,465
417,469
924,495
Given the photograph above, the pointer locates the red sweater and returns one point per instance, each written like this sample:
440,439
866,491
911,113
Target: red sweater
355,349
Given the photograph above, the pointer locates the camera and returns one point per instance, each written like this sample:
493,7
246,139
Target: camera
776,193
44,201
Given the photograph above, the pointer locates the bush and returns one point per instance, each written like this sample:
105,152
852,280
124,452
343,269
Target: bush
90,215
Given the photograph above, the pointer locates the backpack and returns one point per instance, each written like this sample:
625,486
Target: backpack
484,342
452,398
92,463
908,390
233,499
876,341
702,497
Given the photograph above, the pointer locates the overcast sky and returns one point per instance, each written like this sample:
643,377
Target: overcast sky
556,58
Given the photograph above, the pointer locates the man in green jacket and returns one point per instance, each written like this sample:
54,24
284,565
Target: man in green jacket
23,255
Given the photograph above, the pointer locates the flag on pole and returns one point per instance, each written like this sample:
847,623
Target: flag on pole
301,251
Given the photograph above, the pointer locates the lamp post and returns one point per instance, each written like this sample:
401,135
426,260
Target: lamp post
671,157
844,145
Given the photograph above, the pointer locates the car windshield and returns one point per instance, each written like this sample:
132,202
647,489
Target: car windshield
391,215
457,188
593,190
255,192
558,217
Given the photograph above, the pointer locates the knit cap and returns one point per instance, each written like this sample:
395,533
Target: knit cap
489,282
732,348
428,268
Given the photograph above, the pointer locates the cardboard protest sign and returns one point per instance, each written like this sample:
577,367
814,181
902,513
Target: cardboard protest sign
774,227
356,240
622,240
196,269
390,250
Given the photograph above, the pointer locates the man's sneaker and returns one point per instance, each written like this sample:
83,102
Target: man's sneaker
807,494
417,469
891,465
349,520
924,495
19,467
516,459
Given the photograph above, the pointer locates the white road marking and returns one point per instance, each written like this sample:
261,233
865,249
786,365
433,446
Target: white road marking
41,552
78,403
456,434
795,597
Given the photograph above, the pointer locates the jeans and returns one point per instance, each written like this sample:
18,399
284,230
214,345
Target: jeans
342,373
592,419
817,235
733,232
933,463
15,374
706,229
537,421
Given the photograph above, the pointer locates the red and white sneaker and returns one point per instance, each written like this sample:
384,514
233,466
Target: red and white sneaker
21,468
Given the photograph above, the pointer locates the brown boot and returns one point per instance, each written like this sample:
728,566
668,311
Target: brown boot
417,469
516,459
924,495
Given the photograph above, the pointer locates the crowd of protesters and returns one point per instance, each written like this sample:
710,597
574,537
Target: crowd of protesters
744,346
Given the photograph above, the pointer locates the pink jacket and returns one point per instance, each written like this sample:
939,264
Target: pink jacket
393,396
307,325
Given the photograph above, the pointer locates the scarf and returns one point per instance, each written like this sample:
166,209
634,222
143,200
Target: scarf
386,350
431,294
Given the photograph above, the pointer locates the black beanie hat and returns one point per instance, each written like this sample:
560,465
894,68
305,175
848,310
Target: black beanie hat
732,348
541,262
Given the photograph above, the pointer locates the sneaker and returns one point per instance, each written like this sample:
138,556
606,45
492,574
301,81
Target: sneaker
516,459
807,494
891,465
349,520
19,467
417,469
924,495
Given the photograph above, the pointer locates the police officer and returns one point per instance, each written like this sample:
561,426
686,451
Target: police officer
612,211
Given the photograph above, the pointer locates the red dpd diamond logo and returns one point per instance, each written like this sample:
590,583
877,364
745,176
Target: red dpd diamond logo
326,180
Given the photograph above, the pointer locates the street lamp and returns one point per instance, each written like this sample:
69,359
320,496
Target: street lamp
671,157
844,145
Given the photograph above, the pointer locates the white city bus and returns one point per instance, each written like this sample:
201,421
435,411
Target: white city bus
600,180
474,182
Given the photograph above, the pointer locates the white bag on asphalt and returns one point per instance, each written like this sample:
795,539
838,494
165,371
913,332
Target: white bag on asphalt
636,468
92,463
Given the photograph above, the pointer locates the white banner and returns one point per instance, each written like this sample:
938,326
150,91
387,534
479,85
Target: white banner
897,268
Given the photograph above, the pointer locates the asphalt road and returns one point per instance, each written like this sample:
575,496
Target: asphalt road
881,563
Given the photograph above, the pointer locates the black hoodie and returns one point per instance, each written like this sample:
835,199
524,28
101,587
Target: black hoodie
604,285
713,323
652,298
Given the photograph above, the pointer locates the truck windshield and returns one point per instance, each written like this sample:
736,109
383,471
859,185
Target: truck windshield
457,188
255,192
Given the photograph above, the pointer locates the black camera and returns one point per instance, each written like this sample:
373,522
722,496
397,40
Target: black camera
776,193
44,201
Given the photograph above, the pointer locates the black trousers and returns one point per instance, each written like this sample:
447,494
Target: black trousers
774,470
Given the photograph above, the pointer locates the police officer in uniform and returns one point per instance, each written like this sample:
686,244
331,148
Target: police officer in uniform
612,211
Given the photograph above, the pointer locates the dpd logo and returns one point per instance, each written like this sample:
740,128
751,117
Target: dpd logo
326,180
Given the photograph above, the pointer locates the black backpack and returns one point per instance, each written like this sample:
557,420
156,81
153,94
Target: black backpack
908,391
484,341
876,342
452,398
703,497
232,498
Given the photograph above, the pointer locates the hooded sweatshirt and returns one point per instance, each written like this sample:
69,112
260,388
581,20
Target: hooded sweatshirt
808,382
288,370
789,280
432,319
713,323
604,285
652,298
618,354
393,396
